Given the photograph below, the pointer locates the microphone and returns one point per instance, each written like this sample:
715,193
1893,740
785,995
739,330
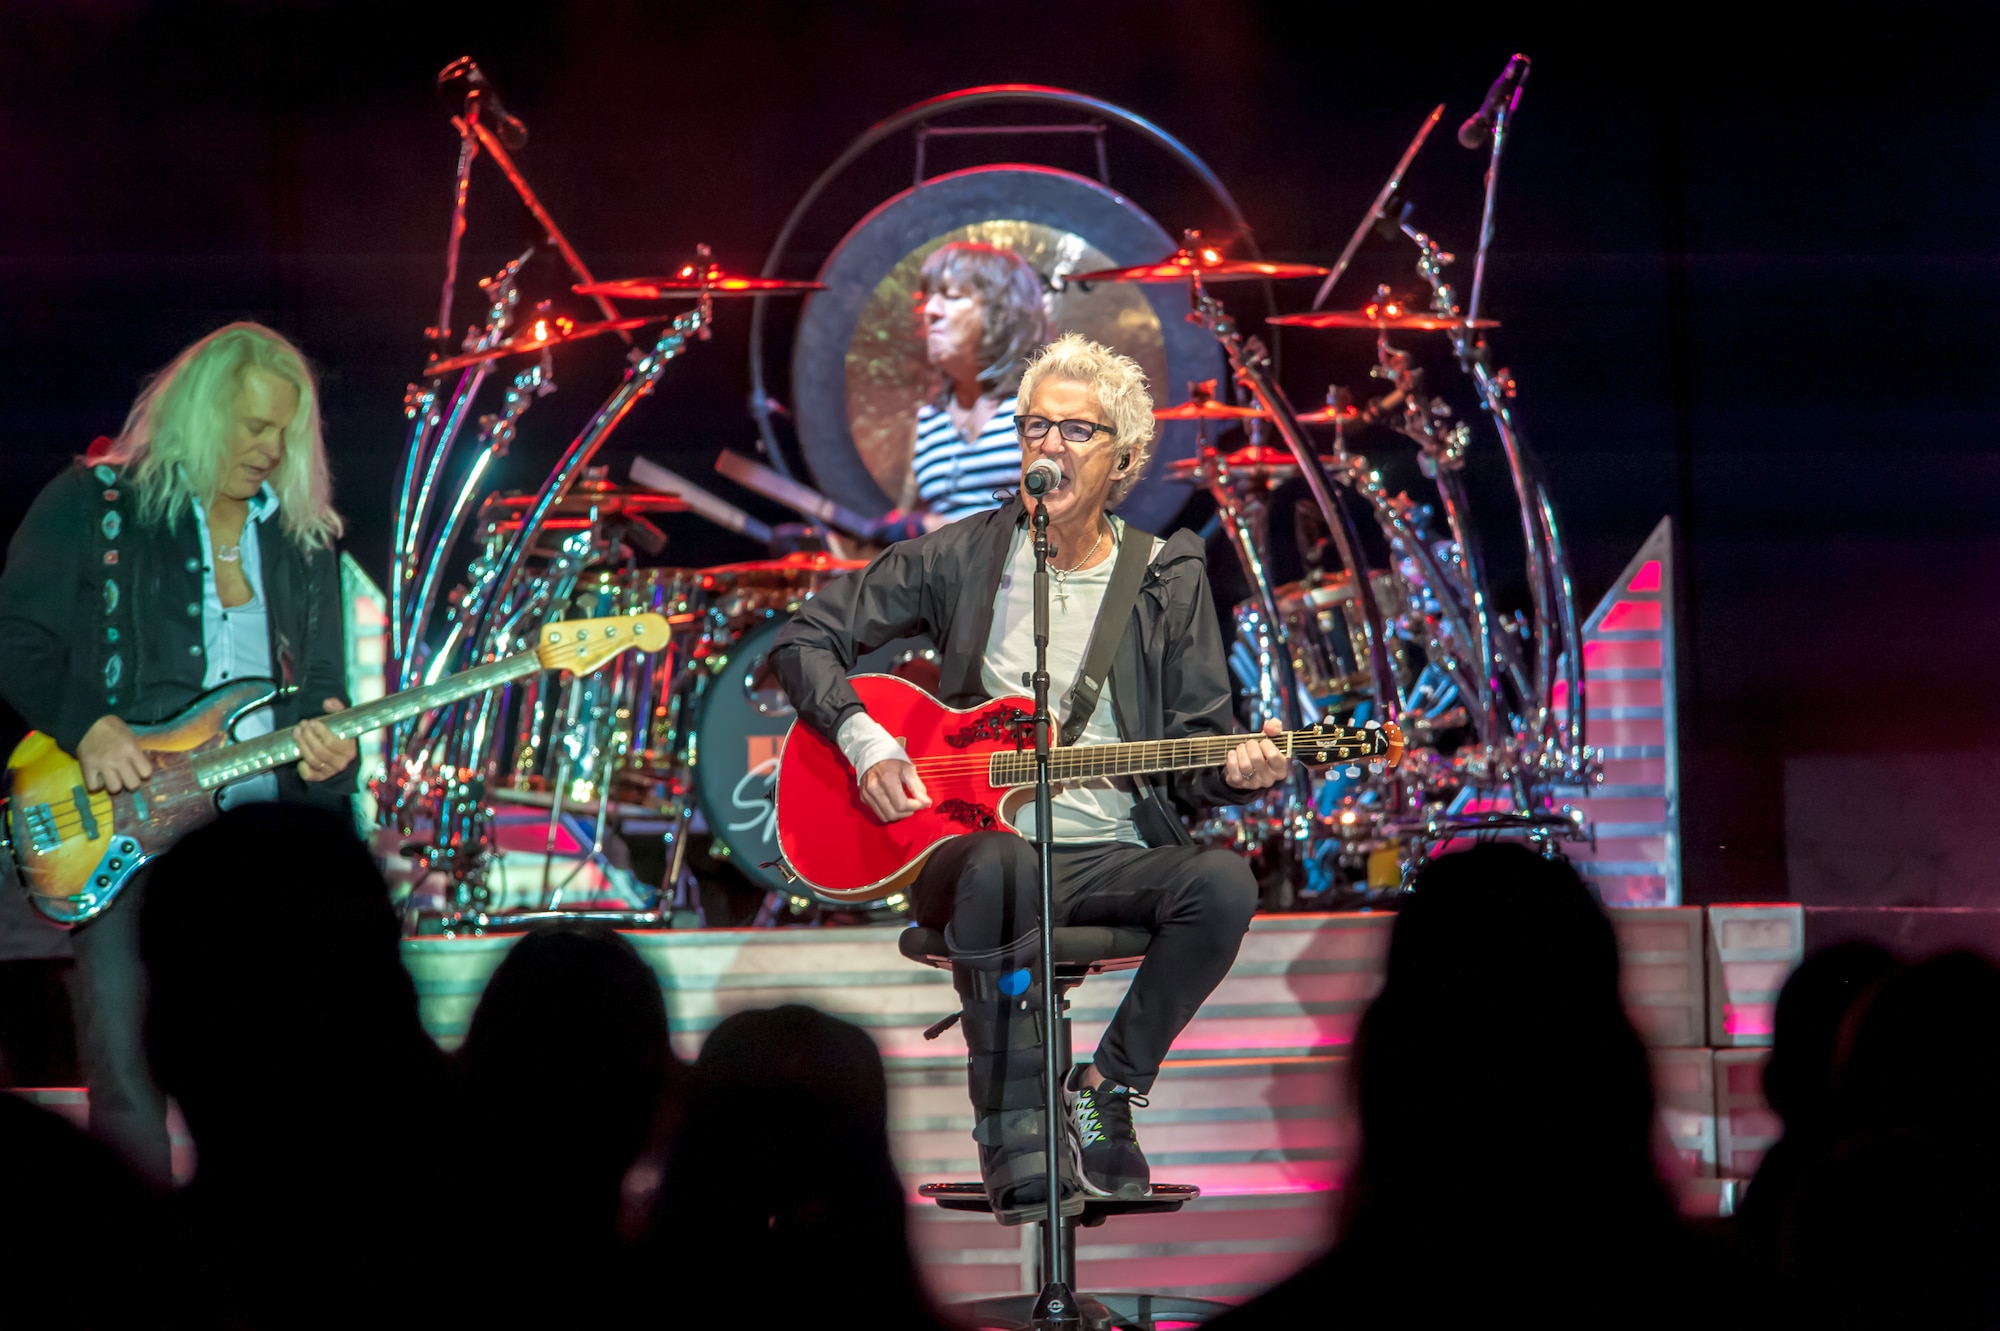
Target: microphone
1474,131
1043,475
479,92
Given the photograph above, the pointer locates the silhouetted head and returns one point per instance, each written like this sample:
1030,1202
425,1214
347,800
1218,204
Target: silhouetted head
1500,1015
278,995
1923,1052
569,1045
1814,1004
782,1162
1897,1221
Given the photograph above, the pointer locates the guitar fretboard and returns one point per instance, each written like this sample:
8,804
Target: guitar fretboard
236,761
1079,762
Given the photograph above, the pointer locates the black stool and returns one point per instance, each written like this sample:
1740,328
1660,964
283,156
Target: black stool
1079,952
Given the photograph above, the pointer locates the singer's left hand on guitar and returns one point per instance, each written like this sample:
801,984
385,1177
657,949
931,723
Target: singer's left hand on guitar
322,754
1256,764
893,789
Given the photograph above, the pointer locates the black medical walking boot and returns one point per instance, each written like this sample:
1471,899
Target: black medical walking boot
1108,1159
1003,1040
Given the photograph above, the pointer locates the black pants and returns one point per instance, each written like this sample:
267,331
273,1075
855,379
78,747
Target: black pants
128,1112
983,891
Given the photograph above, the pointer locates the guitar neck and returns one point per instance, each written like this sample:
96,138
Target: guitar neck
1080,762
236,761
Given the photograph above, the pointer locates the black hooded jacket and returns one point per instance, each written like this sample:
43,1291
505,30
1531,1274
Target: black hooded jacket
1169,678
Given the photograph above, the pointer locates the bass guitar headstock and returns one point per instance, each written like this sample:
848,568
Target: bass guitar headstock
1323,742
582,645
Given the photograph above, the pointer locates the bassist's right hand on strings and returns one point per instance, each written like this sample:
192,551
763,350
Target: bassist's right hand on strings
111,758
892,789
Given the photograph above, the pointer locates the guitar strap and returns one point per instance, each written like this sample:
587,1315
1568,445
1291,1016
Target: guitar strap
1135,552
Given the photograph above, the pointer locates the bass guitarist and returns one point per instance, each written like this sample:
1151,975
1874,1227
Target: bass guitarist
194,550
1122,856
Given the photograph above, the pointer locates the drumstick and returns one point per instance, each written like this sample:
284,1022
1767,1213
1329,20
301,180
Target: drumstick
719,511
802,498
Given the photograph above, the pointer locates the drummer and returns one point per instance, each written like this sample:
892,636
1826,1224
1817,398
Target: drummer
981,310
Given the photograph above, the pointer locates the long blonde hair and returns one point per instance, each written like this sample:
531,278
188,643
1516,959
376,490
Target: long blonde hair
172,443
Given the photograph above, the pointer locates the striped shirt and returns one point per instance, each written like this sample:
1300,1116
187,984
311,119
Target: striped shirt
956,476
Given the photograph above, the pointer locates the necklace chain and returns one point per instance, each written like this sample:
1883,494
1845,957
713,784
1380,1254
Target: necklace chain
1061,573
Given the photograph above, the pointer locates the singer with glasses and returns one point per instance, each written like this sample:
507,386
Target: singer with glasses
1122,854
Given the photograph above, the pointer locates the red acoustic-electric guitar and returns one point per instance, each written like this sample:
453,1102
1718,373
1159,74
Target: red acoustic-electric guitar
979,767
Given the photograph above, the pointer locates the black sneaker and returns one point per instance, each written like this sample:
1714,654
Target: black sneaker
1015,1169
1108,1159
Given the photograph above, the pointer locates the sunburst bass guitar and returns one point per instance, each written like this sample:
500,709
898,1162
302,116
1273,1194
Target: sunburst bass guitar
978,765
75,850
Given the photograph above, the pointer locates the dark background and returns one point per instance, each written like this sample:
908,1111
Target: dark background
1747,270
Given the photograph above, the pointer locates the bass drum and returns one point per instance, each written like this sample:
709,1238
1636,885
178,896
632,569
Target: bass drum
739,725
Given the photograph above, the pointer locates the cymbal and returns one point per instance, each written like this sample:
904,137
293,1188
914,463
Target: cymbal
1205,260
1330,415
1207,409
1252,460
546,331
1377,314
799,561
610,501
695,280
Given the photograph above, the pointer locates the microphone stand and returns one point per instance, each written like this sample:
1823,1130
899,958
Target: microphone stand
1056,1305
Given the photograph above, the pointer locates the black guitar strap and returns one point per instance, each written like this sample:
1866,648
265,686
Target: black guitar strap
1135,552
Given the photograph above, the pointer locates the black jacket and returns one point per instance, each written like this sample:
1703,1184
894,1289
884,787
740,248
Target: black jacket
1169,678
102,614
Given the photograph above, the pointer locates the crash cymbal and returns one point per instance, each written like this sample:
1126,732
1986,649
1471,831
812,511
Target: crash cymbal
815,561
503,511
695,280
1205,260
1254,461
1207,409
546,331
1377,314
1346,415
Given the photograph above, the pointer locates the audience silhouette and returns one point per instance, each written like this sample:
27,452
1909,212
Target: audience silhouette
283,1021
782,1164
1898,1220
1506,1165
62,1196
566,1075
1799,1082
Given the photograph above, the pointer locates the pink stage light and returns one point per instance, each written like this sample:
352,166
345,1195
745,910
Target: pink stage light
1632,617
1647,579
1749,1018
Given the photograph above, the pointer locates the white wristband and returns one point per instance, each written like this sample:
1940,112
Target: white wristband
865,743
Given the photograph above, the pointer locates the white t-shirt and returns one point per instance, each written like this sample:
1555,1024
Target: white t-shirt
1094,810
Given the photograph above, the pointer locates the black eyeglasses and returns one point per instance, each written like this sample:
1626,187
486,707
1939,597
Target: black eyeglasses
1074,432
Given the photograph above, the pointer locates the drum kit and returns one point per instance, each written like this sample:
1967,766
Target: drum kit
678,750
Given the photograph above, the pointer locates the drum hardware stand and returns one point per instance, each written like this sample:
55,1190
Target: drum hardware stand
1246,518
1056,1306
1251,366
1561,752
432,433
